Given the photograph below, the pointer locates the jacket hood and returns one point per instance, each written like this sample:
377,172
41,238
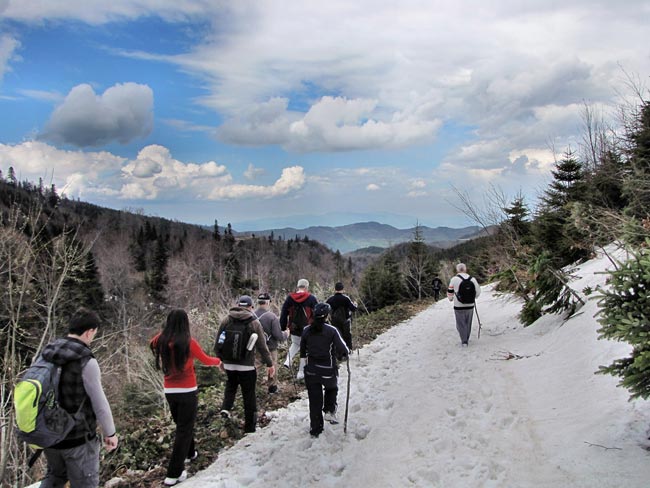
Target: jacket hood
66,349
300,296
239,313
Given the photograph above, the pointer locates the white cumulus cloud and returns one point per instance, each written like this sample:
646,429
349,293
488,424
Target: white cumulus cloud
154,174
122,113
291,179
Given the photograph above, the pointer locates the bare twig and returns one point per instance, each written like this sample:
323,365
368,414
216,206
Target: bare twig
604,447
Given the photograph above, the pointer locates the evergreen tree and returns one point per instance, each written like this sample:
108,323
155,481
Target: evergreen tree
92,295
625,316
338,263
383,283
637,186
551,291
216,235
416,264
605,183
157,278
554,230
11,176
567,185
138,248
52,198
517,217
229,238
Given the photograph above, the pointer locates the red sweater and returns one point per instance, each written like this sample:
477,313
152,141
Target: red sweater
185,380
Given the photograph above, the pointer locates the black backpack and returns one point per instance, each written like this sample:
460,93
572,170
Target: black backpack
299,319
339,317
466,291
231,343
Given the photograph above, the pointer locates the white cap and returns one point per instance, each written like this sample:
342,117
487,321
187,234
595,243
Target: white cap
303,283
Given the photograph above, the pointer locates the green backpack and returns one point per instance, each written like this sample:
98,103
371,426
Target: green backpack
41,421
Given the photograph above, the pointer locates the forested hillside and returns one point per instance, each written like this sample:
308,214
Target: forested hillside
58,254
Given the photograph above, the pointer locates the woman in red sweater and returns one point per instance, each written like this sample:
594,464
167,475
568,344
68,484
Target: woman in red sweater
175,352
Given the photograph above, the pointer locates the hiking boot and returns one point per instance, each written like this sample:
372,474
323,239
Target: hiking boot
273,389
191,458
331,417
175,481
225,414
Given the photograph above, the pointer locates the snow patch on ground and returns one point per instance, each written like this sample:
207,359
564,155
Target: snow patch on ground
425,412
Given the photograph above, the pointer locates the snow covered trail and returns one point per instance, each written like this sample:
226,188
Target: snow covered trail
425,412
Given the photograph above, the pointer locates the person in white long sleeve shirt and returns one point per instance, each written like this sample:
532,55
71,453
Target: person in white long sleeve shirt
463,309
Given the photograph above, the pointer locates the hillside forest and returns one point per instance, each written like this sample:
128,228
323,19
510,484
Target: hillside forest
57,254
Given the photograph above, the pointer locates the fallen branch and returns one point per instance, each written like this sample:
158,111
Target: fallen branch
604,447
507,356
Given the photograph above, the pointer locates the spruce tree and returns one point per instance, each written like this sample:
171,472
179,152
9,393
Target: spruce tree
625,316
637,186
554,230
157,278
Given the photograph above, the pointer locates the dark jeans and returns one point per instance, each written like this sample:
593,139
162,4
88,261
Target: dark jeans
247,380
320,402
436,294
183,408
346,333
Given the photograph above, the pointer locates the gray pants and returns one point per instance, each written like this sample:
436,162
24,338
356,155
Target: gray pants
79,465
464,323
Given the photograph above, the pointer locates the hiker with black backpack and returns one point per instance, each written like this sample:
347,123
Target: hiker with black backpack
77,388
321,347
296,314
175,351
437,286
273,335
341,315
239,336
463,290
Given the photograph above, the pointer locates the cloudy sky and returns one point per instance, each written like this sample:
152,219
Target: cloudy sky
263,113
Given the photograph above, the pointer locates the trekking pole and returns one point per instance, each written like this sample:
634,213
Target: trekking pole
347,400
479,321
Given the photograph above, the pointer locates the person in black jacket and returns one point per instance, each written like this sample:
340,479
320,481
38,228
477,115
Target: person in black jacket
341,315
321,344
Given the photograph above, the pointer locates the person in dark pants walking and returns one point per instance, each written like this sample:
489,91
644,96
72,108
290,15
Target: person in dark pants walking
437,286
321,344
341,315
463,290
242,372
175,346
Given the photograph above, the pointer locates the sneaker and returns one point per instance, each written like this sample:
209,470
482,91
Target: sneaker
192,457
331,417
175,481
225,414
273,389
464,344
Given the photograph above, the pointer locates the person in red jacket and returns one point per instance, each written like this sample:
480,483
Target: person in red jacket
175,352
296,314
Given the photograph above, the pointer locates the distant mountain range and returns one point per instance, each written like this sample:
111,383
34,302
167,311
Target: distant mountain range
347,238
